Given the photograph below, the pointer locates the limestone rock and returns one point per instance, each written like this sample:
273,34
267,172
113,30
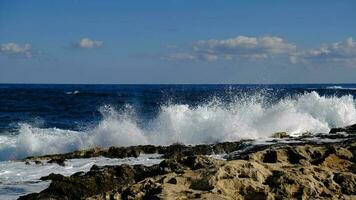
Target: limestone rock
298,171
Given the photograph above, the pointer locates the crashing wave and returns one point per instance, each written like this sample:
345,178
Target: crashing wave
246,118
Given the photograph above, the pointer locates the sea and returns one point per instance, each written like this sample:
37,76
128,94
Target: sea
39,119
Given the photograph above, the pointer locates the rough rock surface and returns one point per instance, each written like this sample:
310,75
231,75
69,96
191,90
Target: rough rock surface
284,171
348,129
171,151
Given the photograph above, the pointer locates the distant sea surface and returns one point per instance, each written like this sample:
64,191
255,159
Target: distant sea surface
43,119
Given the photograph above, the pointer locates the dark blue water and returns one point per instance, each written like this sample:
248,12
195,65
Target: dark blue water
76,106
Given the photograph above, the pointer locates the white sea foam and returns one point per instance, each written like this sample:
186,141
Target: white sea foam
334,87
337,87
73,92
246,118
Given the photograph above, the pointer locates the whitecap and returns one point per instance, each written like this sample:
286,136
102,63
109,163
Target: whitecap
245,118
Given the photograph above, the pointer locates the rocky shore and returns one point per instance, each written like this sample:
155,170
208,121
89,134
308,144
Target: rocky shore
318,167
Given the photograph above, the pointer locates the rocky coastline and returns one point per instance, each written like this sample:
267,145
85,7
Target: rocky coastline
308,167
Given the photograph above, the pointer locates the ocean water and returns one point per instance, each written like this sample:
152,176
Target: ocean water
46,119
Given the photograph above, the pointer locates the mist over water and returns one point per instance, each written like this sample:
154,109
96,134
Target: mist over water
244,117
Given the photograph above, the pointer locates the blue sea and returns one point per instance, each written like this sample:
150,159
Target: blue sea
37,119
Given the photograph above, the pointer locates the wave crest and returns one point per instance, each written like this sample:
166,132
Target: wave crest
247,118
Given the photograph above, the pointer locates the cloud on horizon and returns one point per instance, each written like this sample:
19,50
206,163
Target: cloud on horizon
87,43
241,47
15,49
267,47
339,52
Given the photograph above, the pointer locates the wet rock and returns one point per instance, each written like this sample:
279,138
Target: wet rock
59,161
38,162
348,129
172,151
53,177
89,184
115,152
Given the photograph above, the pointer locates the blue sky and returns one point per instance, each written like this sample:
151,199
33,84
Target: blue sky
177,41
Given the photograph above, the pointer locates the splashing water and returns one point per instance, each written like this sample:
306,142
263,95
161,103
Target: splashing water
246,118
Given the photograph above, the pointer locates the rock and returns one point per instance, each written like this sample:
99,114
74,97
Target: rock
280,135
37,162
284,171
344,153
59,161
115,152
53,177
270,156
347,129
172,151
89,184
294,156
197,162
347,182
148,189
204,183
142,172
172,181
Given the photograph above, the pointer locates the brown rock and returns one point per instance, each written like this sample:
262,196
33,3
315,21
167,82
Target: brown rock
300,171
280,135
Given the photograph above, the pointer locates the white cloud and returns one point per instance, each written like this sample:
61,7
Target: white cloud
180,56
16,49
241,47
191,57
340,52
88,43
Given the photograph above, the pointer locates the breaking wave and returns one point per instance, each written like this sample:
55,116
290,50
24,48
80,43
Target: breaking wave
336,87
246,118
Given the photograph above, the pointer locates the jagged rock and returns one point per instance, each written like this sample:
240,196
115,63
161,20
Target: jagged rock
59,161
115,152
147,189
172,181
176,150
280,135
270,156
53,177
38,162
299,171
80,186
181,150
347,182
348,129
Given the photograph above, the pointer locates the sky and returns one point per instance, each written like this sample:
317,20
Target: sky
177,41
